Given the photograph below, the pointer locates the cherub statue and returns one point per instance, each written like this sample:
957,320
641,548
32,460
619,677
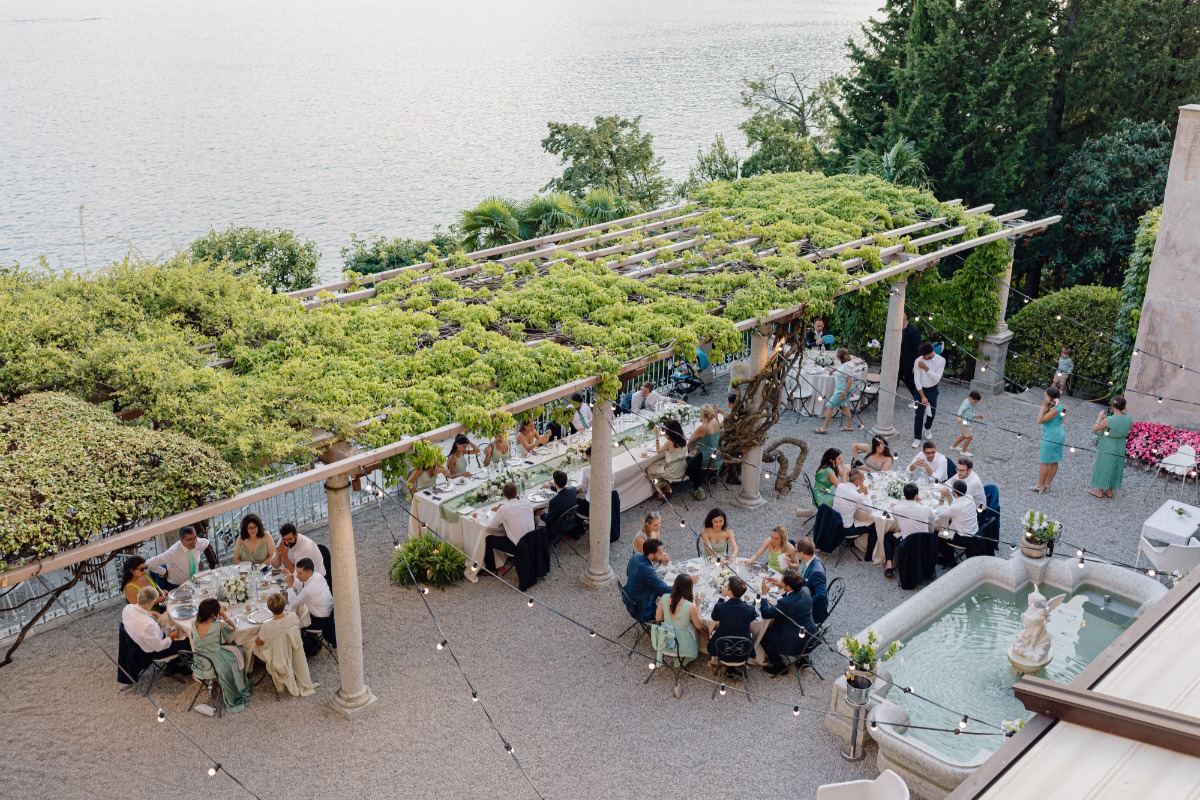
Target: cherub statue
1033,644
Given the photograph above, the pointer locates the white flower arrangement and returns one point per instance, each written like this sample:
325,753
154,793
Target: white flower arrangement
677,411
234,591
895,488
721,578
1040,529
822,358
578,448
492,486
1011,726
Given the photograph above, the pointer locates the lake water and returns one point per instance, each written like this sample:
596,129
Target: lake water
163,119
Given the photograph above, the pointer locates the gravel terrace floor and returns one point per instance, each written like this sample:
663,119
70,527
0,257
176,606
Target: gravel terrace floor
575,708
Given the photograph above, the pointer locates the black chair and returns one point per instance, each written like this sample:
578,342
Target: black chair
916,558
321,633
206,665
674,662
564,525
631,609
827,529
133,662
532,558
987,540
833,594
328,567
733,656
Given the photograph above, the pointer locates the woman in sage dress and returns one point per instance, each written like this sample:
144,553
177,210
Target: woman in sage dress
830,472
253,544
679,611
717,537
1109,468
497,450
456,462
213,630
707,441
1054,436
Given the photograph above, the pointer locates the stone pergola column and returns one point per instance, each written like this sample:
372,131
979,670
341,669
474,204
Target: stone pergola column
993,351
600,487
750,496
889,371
353,695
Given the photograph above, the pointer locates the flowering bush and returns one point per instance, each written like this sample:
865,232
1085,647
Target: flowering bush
1151,442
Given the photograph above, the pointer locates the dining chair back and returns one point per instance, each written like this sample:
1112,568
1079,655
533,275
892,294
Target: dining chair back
1170,557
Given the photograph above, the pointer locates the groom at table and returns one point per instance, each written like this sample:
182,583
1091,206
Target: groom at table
181,561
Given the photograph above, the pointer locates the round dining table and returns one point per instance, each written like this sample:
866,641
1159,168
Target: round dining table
183,603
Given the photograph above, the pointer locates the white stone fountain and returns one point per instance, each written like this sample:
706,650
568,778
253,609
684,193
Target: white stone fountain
1032,651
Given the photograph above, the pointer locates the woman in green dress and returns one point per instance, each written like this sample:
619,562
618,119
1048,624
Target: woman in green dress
679,612
1054,436
1109,468
780,553
829,474
213,629
253,546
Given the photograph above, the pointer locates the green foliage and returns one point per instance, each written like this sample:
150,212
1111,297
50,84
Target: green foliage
600,205
1039,335
71,470
545,214
715,164
277,258
369,256
780,145
900,163
613,154
492,223
1101,192
866,655
1133,294
430,560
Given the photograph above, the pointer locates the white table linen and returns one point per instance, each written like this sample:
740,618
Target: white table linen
1167,525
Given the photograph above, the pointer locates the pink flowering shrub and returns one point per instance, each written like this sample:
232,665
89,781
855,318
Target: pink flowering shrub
1151,442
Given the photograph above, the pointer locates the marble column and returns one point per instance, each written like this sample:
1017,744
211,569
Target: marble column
889,371
1170,323
600,487
353,696
749,496
993,350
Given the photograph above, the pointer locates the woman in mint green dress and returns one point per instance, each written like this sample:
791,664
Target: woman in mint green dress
1054,436
1109,468
780,553
829,474
678,611
213,629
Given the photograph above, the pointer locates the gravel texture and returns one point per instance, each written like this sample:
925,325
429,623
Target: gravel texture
574,708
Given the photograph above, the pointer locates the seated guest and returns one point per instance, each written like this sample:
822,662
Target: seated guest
143,626
643,587
308,590
717,537
253,545
911,517
181,561
581,421
732,615
292,547
707,441
966,473
515,517
877,456
583,495
815,336
930,462
456,462
781,556
281,648
423,478
651,529
830,472
646,399
679,611
136,576
497,449
528,439
562,502
791,613
674,464
961,516
848,501
812,570
212,638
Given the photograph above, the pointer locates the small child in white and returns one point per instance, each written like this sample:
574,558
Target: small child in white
1065,367
966,413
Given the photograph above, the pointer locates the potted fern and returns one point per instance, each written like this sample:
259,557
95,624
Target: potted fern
1040,533
429,560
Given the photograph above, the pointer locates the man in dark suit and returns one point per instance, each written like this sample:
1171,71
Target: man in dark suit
910,346
732,615
812,570
563,501
642,584
792,613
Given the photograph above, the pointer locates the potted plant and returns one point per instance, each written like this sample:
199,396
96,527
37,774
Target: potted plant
864,658
1040,533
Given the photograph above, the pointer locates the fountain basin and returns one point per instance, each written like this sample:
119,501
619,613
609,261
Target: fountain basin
957,633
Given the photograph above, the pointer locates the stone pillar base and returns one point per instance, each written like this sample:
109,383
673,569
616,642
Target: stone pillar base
989,367
351,707
594,580
754,501
886,433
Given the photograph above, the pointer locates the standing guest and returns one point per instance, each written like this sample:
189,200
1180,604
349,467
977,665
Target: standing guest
1054,436
674,464
840,399
707,440
562,502
1066,365
927,374
733,617
497,449
642,584
781,556
293,546
929,461
456,462
515,516
423,478
1109,468
961,516
911,517
718,539
253,544
528,439
848,502
910,347
136,576
877,456
967,414
281,648
830,472
793,633
812,569
181,561
143,627
651,529
679,611
965,471
815,336
646,399
211,638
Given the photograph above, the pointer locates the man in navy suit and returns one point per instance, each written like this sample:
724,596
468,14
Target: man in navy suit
792,613
812,570
563,501
732,615
642,584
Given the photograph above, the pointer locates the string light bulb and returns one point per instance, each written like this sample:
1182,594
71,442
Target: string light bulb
1160,401
424,590
397,545
722,689
474,695
970,337
592,634
874,725
767,475
682,523
530,603
212,771
474,566
651,666
962,723
162,715
795,711
442,644
508,748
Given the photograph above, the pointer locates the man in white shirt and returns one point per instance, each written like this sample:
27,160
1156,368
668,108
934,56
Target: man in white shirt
294,546
308,591
646,399
959,518
848,500
930,462
910,517
182,560
973,481
142,626
583,414
927,373
584,494
515,516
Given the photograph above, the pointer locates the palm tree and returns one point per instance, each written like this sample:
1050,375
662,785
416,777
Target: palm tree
492,223
545,214
901,164
599,205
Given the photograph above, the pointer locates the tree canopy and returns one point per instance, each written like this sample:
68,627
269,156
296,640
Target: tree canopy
277,258
614,154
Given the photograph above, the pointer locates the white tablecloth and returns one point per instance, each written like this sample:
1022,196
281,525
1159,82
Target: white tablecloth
207,584
1166,525
707,594
881,501
811,385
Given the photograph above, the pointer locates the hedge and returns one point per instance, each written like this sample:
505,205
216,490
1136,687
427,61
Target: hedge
1046,325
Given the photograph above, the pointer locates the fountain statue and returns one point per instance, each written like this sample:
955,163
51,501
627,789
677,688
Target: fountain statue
1032,651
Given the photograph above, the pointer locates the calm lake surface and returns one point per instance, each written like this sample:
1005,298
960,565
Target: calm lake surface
163,119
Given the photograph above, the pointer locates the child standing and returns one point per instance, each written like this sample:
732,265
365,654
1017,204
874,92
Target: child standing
966,413
1065,367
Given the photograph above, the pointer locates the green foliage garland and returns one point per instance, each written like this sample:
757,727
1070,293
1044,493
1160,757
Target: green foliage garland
1133,294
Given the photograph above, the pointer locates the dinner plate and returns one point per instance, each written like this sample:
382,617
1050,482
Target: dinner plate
538,497
202,574
184,611
259,617
181,593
